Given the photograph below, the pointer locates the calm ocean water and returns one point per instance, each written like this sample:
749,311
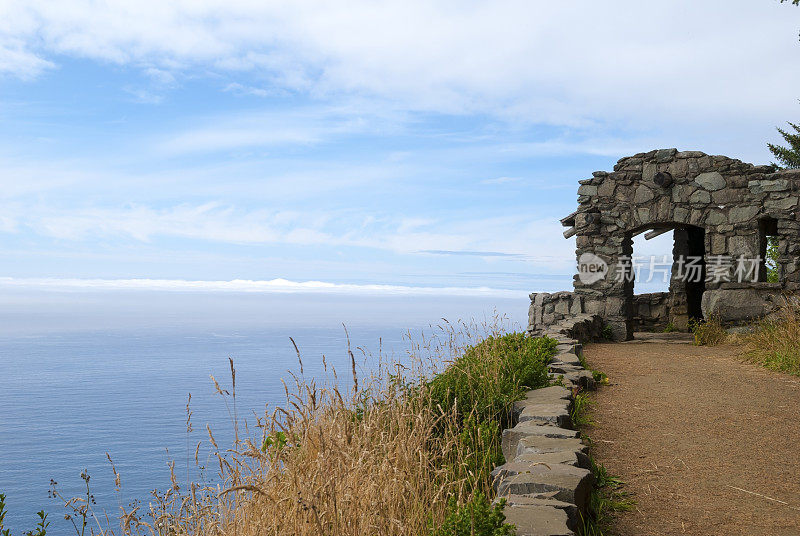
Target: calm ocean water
67,399
72,393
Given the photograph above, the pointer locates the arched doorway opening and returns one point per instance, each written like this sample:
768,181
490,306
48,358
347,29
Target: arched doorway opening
675,308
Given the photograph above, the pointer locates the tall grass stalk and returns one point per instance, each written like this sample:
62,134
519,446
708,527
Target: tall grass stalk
407,450
775,341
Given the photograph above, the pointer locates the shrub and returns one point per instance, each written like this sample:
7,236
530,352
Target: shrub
480,388
607,333
775,342
39,530
492,375
580,414
475,518
708,332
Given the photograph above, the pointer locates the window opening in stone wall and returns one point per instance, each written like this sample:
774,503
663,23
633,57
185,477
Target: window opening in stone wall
769,271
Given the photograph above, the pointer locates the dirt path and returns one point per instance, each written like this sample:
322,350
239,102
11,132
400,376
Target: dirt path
684,426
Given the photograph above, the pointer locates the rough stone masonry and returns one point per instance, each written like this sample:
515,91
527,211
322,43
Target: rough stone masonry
720,211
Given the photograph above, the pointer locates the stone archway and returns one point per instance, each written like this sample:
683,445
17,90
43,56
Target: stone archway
737,207
682,303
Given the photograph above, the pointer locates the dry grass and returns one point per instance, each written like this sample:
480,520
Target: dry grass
381,458
775,341
709,332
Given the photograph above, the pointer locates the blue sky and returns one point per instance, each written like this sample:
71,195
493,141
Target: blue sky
405,144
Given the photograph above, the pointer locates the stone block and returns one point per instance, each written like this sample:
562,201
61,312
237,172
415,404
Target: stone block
643,194
567,457
665,155
711,181
573,514
511,436
681,193
787,203
562,307
553,413
543,445
775,185
606,189
615,306
535,520
700,197
738,305
742,214
678,168
718,244
569,358
727,196
583,378
557,367
715,217
595,307
563,482
680,214
689,154
743,245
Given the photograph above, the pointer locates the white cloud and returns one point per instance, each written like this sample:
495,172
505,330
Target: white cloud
16,60
517,235
563,62
500,180
276,128
280,286
240,89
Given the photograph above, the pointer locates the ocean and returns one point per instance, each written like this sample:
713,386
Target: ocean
70,393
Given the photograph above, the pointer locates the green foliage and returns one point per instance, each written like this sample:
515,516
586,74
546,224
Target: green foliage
771,259
480,445
789,156
3,532
605,501
276,439
492,375
598,376
41,526
607,333
481,387
669,328
39,530
476,518
580,413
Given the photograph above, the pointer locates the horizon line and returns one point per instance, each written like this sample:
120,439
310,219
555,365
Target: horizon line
276,286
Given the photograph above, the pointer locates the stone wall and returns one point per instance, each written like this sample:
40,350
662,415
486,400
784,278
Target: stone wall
563,313
716,206
546,479
651,312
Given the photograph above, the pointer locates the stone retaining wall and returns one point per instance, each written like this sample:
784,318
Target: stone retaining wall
562,311
650,312
546,479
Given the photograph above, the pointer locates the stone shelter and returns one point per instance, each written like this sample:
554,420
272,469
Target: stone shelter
722,214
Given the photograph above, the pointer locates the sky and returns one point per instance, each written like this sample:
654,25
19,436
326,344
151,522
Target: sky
391,147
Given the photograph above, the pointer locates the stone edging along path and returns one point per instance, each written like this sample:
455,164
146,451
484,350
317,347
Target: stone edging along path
546,479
